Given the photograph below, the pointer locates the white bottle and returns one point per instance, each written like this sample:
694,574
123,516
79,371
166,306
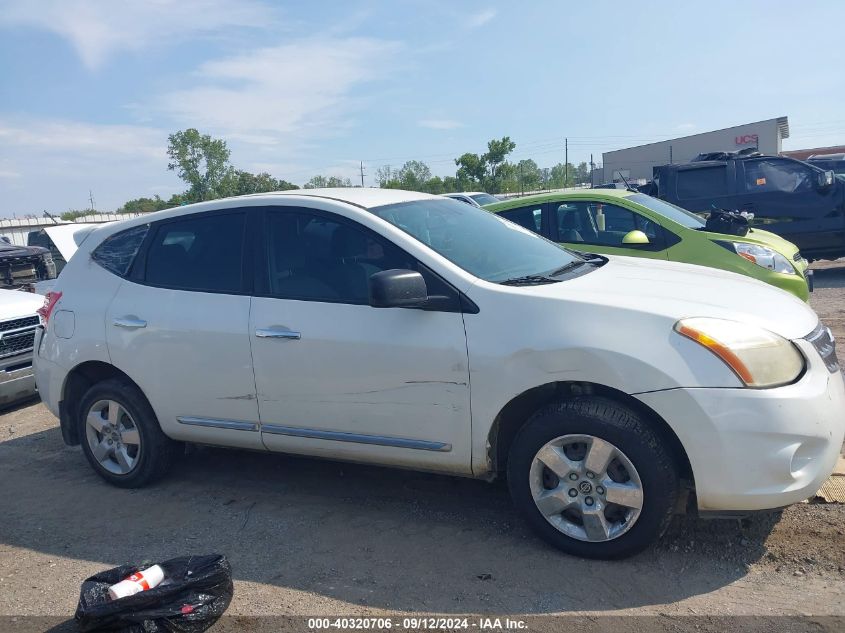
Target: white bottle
137,582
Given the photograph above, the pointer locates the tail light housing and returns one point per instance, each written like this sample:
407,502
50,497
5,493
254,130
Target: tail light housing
50,301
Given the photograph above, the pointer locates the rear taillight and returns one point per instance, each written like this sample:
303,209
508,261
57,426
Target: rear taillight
50,301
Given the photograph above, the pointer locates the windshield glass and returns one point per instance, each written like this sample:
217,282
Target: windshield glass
478,241
668,210
484,198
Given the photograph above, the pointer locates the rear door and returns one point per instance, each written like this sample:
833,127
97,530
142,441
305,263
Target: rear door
339,378
179,328
786,199
703,187
533,217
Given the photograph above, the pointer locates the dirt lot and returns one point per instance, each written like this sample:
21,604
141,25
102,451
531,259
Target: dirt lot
307,537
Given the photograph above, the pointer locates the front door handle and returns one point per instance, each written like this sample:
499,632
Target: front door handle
276,333
129,322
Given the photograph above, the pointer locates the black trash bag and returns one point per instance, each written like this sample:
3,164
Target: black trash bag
195,592
727,222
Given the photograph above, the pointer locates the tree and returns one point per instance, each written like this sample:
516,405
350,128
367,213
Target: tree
70,215
143,205
240,183
413,176
472,171
318,182
201,161
497,150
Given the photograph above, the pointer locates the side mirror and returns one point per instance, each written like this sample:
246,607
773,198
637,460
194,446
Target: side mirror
397,288
826,179
634,238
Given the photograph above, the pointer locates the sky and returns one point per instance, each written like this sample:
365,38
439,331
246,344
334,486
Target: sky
90,89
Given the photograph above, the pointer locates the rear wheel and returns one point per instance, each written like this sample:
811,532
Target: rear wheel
592,478
121,437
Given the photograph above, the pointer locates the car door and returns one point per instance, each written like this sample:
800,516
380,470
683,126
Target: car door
340,379
179,327
702,187
786,198
596,226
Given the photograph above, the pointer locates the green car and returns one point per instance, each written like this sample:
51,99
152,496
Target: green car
621,222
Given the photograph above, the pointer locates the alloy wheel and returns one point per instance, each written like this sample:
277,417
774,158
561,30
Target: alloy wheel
586,487
113,437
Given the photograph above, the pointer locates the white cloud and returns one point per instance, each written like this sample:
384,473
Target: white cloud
481,18
440,124
99,28
295,91
58,161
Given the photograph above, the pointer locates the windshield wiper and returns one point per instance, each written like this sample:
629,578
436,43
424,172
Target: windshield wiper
529,280
569,266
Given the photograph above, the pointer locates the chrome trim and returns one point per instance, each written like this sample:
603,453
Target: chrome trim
357,438
232,425
274,333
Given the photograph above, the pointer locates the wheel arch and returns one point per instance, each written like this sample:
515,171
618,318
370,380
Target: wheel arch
519,409
78,381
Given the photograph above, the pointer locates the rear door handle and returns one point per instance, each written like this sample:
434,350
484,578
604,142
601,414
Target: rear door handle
130,323
276,333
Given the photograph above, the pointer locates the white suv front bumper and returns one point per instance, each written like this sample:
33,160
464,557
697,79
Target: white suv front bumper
756,449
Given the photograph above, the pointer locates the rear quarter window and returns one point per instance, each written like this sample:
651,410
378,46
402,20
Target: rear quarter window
702,182
118,251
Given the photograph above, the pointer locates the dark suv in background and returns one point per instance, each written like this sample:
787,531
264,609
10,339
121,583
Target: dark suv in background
799,201
24,265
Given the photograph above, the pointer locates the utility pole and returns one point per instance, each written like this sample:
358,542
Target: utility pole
566,163
670,155
592,170
521,187
362,173
91,199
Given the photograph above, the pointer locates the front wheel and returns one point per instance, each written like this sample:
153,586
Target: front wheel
592,478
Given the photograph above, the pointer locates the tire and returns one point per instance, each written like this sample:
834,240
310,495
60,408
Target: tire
578,428
140,452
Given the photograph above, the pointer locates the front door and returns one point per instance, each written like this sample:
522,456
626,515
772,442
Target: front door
599,227
340,379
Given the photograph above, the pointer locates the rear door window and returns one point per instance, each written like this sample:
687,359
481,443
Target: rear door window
203,253
703,182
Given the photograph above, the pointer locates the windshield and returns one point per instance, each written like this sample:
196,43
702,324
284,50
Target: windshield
478,241
668,210
484,198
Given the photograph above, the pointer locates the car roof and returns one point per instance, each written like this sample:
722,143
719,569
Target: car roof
365,197
560,195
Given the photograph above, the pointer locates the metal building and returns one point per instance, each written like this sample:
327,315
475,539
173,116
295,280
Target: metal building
635,163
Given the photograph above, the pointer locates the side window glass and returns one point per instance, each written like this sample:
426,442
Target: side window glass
117,252
702,182
530,217
777,175
203,253
600,224
312,257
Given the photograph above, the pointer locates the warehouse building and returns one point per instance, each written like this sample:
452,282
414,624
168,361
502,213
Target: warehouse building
636,163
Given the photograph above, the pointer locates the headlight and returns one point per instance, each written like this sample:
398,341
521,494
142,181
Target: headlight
761,255
758,357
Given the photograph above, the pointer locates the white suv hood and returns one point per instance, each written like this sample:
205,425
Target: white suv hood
15,304
679,290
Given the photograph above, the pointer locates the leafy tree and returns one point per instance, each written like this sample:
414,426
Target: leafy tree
71,214
318,182
240,183
414,175
143,205
497,151
472,171
201,161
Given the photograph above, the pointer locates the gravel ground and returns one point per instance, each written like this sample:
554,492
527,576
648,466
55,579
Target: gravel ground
308,537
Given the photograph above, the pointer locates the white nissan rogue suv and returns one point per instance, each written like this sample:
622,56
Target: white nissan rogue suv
403,329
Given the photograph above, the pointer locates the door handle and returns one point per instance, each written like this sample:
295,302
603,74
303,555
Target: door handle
130,323
275,333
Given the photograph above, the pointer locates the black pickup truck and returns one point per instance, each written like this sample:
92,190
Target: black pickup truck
24,265
802,203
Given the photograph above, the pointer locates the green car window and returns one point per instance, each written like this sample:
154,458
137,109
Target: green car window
601,224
